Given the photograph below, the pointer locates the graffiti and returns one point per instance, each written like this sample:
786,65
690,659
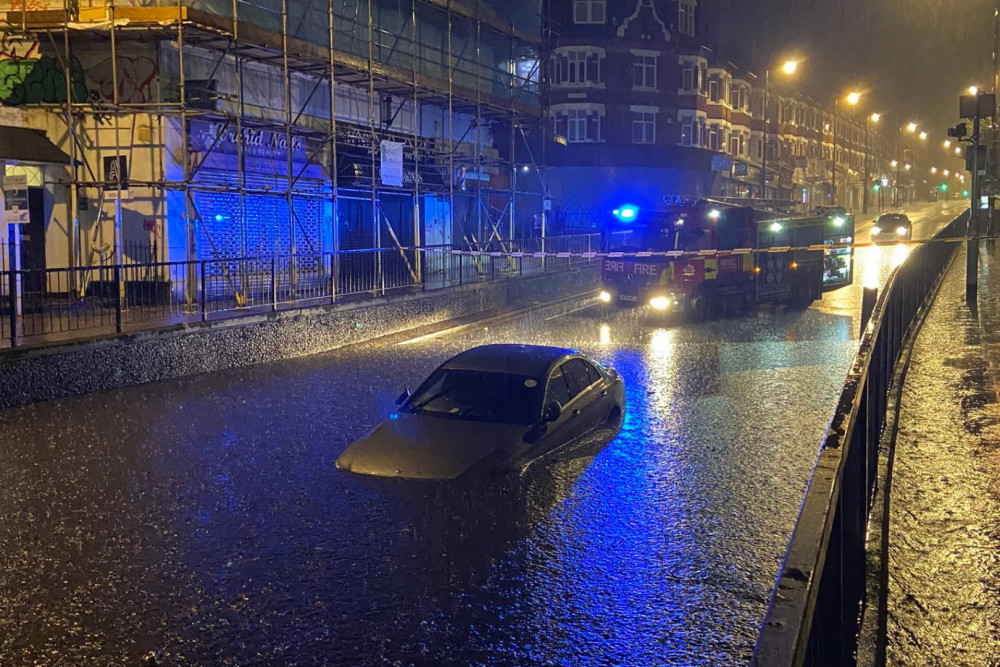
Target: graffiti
41,80
29,6
17,49
136,77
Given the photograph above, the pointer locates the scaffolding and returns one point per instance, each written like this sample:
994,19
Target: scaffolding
283,127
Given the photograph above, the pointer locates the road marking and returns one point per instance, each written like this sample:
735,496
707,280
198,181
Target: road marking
570,312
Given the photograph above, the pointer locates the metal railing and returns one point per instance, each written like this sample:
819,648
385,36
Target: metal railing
47,305
815,608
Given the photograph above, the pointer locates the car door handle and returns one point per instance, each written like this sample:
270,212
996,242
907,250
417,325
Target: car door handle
575,413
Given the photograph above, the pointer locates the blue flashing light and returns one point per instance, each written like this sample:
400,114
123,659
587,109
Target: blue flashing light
219,217
626,213
394,416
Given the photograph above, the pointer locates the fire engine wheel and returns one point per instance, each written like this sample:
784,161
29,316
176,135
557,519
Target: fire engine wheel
801,297
703,306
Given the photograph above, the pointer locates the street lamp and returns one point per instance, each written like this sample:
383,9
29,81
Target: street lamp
852,98
945,172
947,143
789,67
933,170
958,150
871,118
923,136
912,127
973,90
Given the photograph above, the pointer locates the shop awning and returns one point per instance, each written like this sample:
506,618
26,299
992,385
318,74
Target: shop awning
22,144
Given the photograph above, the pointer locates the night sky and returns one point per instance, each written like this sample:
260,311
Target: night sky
915,56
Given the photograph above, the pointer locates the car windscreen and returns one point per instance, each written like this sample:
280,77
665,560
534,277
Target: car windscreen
478,396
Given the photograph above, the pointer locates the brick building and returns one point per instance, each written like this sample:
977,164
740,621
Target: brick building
641,108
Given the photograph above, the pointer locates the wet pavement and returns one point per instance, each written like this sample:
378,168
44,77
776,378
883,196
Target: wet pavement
944,540
203,518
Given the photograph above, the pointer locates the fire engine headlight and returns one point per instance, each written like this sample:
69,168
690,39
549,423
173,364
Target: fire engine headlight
659,302
901,231
876,230
604,296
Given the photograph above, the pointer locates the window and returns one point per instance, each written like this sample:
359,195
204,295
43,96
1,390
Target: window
644,72
686,134
576,67
477,396
759,149
734,144
734,97
588,11
577,125
558,391
714,137
713,90
685,18
702,136
688,78
578,376
644,128
703,79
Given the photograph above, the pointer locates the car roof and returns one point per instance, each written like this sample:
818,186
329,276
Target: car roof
896,216
525,360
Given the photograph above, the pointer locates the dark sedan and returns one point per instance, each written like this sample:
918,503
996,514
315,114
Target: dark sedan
892,227
493,408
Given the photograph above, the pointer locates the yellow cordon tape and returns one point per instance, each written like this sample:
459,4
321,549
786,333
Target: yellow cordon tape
701,254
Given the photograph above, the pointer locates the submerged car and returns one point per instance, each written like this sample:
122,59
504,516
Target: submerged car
892,227
491,409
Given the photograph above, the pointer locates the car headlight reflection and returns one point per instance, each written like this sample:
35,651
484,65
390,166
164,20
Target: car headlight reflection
659,302
605,296
876,230
901,231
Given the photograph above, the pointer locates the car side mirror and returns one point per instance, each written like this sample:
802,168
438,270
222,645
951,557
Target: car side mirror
402,397
552,413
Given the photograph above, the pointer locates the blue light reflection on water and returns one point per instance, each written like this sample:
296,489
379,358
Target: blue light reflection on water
606,578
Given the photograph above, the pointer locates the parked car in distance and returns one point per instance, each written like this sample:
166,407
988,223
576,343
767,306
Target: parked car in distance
491,409
892,227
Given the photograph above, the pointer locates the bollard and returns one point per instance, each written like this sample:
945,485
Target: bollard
869,298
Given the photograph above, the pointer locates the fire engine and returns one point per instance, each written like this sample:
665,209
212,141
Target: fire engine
703,256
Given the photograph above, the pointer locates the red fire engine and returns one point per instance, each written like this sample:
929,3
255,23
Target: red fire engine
703,256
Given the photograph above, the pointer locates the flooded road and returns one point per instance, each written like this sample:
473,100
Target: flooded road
203,518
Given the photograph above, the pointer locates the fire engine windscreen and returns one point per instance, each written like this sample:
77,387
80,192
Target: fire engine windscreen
658,234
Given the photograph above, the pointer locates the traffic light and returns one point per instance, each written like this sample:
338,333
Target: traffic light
965,193
959,131
944,187
876,187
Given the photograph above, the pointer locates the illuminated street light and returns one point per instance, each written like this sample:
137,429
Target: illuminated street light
790,66
933,170
923,136
853,98
973,90
958,150
893,163
946,172
875,117
912,127
908,167
947,143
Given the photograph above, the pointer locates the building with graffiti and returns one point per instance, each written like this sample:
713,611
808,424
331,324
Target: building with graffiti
205,129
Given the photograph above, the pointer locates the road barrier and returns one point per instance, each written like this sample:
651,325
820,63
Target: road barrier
814,611
44,305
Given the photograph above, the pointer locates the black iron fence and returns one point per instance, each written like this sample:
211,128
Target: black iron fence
44,305
815,608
